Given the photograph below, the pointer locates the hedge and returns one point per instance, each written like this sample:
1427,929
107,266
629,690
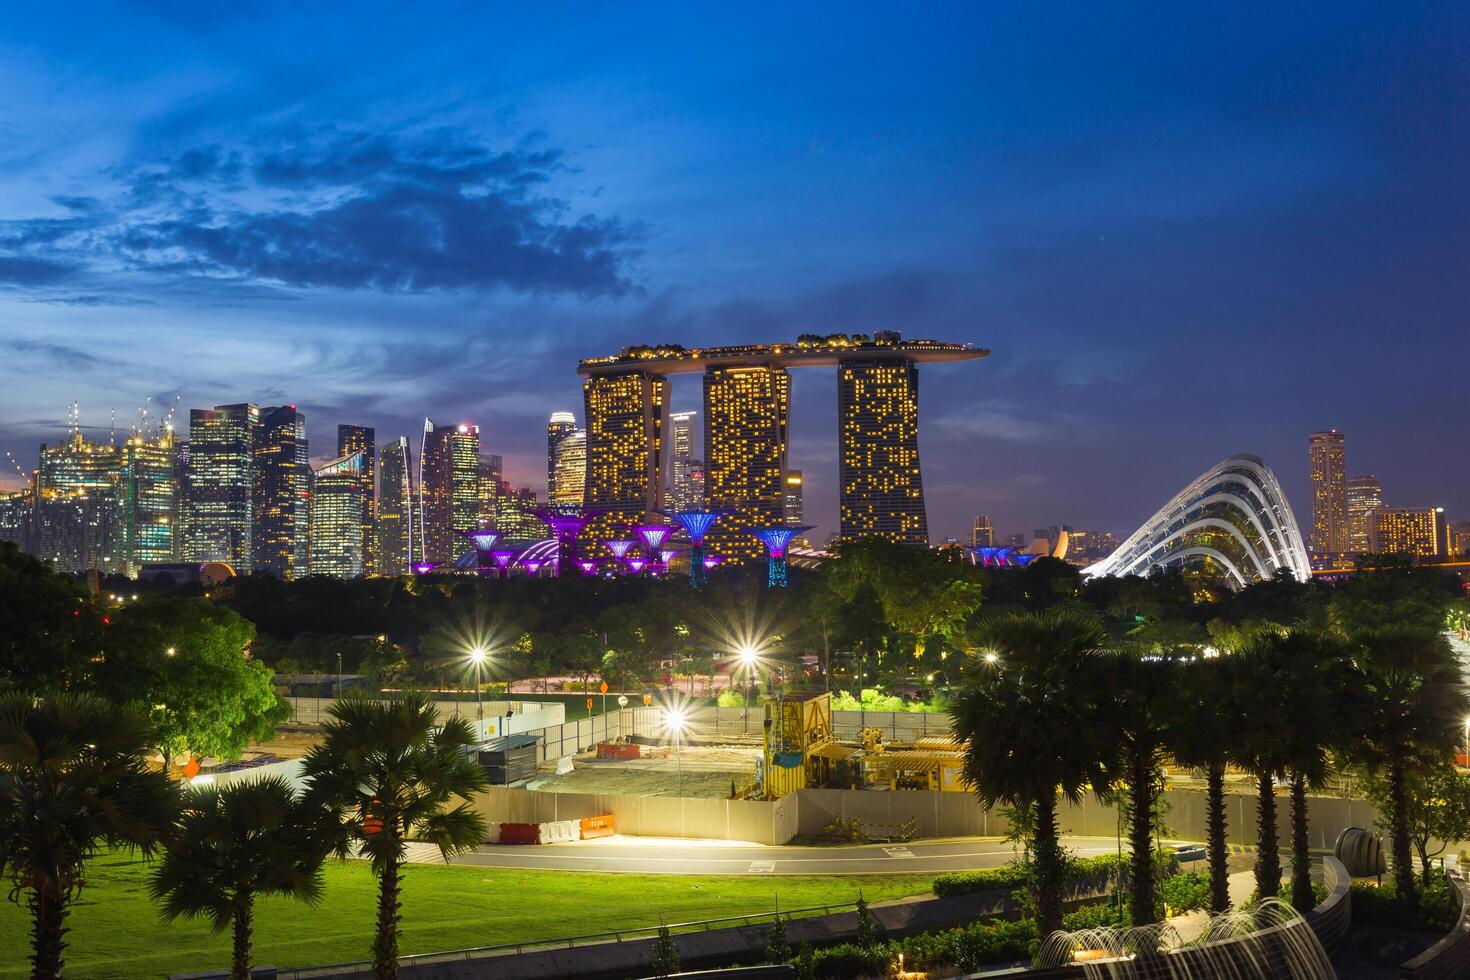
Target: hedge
1012,876
1439,907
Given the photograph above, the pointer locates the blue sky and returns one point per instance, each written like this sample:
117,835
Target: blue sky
1184,232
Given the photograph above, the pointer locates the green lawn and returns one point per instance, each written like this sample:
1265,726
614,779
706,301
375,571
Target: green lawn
116,932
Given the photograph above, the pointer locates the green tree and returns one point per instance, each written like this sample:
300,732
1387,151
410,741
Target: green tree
665,959
1208,718
867,927
73,775
234,844
778,950
1033,728
1144,691
1263,746
1407,709
49,630
1437,809
389,770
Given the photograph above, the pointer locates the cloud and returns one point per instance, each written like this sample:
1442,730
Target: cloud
23,271
65,355
995,421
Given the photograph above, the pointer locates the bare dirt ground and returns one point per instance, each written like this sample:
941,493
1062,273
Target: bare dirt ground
707,772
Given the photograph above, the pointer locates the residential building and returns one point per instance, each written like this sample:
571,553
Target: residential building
449,488
396,513
1327,467
1418,532
221,479
1364,495
338,498
281,493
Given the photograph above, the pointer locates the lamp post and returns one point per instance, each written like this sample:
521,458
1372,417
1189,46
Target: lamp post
747,661
339,675
477,657
674,723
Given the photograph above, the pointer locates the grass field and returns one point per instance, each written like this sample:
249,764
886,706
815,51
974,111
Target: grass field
115,930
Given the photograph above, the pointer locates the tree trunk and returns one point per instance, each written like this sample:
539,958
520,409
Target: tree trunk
1140,838
48,925
1301,860
1403,865
1049,868
240,964
1268,855
1215,830
385,944
1426,873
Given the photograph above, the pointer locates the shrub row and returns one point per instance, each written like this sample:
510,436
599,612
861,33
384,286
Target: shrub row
1439,907
1010,876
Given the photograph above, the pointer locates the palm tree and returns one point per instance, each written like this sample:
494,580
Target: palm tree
1207,723
1146,690
73,775
1263,743
234,844
1033,725
390,772
1407,707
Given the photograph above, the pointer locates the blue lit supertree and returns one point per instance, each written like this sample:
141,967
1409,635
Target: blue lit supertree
697,524
776,538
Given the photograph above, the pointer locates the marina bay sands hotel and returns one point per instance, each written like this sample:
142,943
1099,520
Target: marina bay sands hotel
747,401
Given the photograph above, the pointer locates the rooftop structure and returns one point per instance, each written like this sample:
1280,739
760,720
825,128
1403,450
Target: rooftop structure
809,351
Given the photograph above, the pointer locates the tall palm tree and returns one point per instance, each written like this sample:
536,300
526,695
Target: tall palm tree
234,844
1034,724
391,773
1206,725
1407,707
1262,746
73,775
1147,688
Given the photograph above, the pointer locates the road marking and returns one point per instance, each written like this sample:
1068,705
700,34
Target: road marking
899,852
762,867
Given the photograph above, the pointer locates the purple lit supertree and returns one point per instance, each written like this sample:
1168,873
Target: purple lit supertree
635,565
532,567
697,524
776,538
619,547
587,565
502,558
711,562
652,536
565,526
665,556
484,542
423,567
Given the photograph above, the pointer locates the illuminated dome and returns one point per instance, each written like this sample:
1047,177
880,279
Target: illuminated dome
1233,519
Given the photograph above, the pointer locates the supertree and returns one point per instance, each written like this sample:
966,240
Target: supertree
697,524
653,537
776,538
502,558
619,547
484,543
565,526
532,567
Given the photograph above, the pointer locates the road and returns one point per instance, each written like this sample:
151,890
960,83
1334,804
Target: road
676,856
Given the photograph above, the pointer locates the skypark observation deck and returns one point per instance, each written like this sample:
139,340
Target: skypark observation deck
823,352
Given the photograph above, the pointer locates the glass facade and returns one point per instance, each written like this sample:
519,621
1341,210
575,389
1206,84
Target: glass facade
571,470
281,492
1364,498
682,491
337,503
362,439
882,491
1327,465
449,488
395,525
1233,521
221,472
558,427
79,513
149,502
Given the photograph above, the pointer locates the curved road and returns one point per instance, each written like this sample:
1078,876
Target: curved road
673,856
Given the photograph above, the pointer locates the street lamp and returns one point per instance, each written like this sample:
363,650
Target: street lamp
674,721
477,657
748,656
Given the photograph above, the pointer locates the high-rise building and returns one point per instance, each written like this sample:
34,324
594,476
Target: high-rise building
491,468
181,501
982,535
1418,532
449,488
221,472
149,501
363,439
681,462
338,497
1459,535
1328,470
747,414
882,492
1363,495
79,518
17,517
795,506
558,427
1017,541
396,515
281,493
571,470
627,422
515,517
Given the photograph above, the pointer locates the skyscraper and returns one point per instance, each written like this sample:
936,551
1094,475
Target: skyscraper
181,500
281,493
221,473
882,492
627,421
747,414
149,501
338,498
571,470
1418,532
1327,466
79,513
362,439
681,457
491,467
982,535
449,488
515,516
1364,495
396,513
558,427
794,504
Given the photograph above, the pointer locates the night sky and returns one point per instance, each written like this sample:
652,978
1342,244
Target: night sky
1182,234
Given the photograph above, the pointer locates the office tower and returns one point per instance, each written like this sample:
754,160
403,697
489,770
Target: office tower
17,514
982,535
149,501
221,477
882,492
1017,541
627,421
681,460
79,505
281,493
515,517
794,506
491,468
1325,457
338,498
1417,532
395,536
571,470
558,427
1363,496
363,439
449,488
181,498
1459,535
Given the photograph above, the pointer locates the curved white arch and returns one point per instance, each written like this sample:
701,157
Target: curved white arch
1243,483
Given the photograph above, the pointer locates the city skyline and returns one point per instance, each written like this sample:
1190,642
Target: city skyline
941,180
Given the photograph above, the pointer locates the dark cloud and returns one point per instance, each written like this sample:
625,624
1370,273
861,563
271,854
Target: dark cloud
23,272
65,355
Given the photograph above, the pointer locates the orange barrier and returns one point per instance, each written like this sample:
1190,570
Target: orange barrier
613,750
597,827
520,833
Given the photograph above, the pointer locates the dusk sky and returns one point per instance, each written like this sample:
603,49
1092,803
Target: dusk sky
1182,235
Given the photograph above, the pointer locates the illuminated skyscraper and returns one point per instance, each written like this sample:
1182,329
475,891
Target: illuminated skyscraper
337,502
794,504
558,427
747,413
1364,495
1459,535
1418,532
181,501
449,488
17,517
79,513
882,493
515,518
491,467
282,493
982,535
362,439
571,470
148,501
1325,457
396,513
221,474
681,460
627,420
